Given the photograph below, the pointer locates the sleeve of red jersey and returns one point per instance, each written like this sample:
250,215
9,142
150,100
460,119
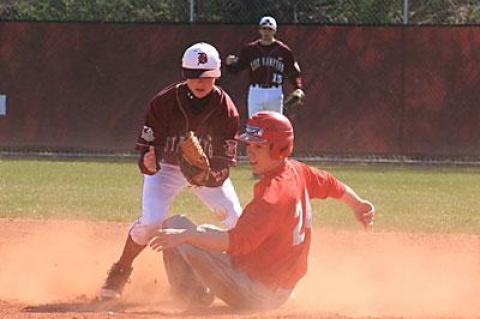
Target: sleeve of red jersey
322,184
255,224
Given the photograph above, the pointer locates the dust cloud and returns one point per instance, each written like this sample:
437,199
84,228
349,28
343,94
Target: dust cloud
47,261
353,274
388,274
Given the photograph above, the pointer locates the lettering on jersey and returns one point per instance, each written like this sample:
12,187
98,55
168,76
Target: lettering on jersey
255,64
147,134
231,148
267,61
202,58
172,144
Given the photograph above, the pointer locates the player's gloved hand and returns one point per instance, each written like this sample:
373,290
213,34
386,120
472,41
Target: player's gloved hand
193,161
150,160
292,102
295,98
231,59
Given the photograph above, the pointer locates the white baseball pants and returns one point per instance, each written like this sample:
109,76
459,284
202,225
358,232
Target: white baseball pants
264,99
159,191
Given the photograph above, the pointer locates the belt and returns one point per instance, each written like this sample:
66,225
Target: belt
265,86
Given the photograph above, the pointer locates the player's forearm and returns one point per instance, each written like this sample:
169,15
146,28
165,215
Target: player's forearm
150,166
297,82
363,210
352,199
208,237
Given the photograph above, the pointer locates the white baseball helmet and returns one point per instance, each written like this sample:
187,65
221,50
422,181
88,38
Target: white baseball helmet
201,60
268,22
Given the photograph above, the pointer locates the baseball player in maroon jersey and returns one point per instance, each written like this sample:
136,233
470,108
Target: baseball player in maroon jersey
269,62
256,264
197,105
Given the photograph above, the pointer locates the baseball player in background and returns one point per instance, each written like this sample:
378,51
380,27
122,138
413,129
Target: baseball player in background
269,62
256,264
195,105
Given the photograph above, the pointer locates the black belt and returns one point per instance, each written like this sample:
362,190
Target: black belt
266,86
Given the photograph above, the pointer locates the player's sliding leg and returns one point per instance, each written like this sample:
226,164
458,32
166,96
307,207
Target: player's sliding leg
159,191
185,285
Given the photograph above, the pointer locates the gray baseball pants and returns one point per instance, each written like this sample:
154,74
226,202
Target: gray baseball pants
188,266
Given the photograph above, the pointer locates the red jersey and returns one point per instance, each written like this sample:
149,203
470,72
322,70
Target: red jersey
175,111
272,237
268,65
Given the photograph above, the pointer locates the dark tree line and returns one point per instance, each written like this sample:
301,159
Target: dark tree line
243,11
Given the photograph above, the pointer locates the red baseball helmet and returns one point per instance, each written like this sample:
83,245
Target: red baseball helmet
270,127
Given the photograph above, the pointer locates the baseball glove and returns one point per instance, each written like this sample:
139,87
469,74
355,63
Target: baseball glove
193,161
293,100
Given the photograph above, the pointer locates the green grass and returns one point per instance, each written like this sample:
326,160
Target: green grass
406,198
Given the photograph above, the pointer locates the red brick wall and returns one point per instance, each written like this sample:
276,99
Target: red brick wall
384,90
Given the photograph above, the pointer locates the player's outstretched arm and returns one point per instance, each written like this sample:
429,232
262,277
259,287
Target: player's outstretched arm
203,236
235,64
363,210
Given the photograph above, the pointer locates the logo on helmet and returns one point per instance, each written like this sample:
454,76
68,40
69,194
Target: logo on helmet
202,58
254,131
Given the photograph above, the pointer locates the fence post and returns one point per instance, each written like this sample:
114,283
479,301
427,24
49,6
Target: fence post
192,11
405,11
295,14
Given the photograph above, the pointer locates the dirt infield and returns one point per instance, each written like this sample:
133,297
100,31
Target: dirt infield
52,269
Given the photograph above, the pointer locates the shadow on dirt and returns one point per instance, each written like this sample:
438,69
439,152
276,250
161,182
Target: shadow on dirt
81,306
212,311
163,308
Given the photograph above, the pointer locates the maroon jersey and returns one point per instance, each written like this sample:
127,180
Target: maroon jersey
268,65
175,111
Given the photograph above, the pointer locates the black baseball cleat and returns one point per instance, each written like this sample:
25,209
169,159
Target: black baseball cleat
115,282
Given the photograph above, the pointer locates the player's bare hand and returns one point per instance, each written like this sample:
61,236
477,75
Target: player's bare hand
150,160
231,59
365,214
168,238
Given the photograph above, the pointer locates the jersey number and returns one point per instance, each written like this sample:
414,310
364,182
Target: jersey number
304,220
277,78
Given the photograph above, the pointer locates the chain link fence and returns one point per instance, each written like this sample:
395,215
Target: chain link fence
246,12
338,11
393,67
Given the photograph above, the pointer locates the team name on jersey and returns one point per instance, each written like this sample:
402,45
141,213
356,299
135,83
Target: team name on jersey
172,144
267,61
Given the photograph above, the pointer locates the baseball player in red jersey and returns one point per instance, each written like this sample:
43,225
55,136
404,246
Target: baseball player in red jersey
256,264
269,62
197,105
